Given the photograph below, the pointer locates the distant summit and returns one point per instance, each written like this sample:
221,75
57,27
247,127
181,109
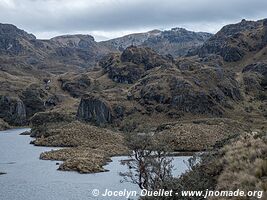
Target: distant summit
12,31
177,41
12,39
81,41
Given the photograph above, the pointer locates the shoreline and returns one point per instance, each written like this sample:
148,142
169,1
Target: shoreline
76,158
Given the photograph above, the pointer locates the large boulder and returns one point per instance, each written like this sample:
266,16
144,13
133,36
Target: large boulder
94,109
33,97
12,110
3,125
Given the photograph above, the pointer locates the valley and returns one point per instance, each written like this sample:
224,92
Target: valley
195,91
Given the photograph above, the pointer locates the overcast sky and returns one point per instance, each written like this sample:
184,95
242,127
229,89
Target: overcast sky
105,19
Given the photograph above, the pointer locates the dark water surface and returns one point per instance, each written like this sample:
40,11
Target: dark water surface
29,178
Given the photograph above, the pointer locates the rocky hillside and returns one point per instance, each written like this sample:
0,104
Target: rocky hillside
58,55
129,89
235,42
138,89
29,68
176,42
70,87
192,103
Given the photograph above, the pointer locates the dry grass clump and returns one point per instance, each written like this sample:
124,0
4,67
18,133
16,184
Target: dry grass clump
244,165
199,135
80,134
81,159
240,165
93,147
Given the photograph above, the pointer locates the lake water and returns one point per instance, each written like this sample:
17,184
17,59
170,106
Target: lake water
29,178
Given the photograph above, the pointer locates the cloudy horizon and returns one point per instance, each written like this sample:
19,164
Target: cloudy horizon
107,19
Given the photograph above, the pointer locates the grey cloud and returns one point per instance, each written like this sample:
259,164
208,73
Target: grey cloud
118,15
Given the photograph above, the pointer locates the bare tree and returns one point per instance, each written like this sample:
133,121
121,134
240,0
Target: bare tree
149,166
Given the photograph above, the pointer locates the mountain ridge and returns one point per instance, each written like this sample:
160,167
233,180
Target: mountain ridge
76,65
176,42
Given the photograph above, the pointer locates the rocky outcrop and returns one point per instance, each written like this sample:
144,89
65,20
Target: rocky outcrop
234,41
132,64
126,73
12,110
53,101
255,79
120,72
74,41
83,49
11,37
94,109
3,125
76,86
32,98
201,91
143,56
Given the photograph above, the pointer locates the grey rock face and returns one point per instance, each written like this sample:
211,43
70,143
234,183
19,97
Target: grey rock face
13,31
12,110
94,109
32,98
132,64
20,112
